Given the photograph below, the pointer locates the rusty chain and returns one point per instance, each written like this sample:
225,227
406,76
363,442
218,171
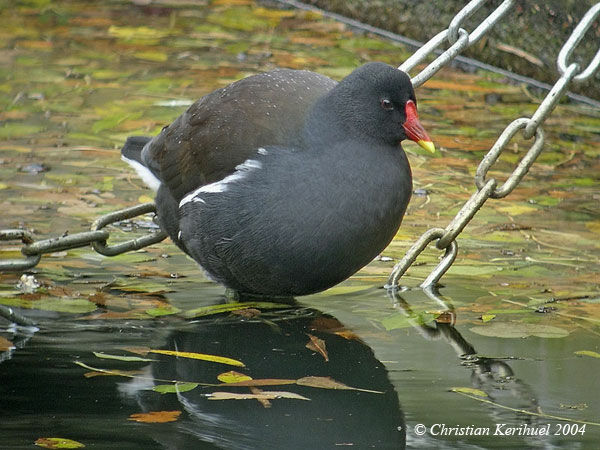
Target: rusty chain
531,128
97,237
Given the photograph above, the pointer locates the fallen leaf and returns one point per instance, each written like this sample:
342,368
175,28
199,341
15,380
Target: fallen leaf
266,395
156,416
348,335
247,313
202,356
229,307
588,353
174,388
232,377
120,357
487,317
138,350
318,345
58,443
468,390
329,383
260,382
519,330
5,344
263,401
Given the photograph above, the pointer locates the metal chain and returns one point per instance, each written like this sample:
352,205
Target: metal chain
457,37
97,237
488,188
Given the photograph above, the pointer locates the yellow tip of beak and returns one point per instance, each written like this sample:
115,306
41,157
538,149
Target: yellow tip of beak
427,145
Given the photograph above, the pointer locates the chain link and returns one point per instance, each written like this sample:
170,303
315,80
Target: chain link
574,40
97,237
457,37
488,188
133,244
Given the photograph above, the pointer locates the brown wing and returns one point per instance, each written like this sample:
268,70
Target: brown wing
227,126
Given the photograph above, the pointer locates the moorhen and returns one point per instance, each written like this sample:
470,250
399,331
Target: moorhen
285,183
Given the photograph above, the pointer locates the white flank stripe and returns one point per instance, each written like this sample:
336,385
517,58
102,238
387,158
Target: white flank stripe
144,173
240,173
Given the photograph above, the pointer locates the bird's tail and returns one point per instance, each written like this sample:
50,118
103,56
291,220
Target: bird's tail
131,153
132,150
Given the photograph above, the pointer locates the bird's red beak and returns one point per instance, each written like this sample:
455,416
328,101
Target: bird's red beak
414,129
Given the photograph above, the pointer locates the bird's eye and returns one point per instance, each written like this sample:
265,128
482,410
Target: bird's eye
387,104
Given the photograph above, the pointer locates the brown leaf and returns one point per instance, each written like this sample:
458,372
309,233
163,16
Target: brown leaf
137,350
329,383
247,313
263,401
156,416
5,344
260,382
318,345
348,335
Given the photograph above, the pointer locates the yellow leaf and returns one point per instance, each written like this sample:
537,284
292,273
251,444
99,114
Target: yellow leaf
515,210
145,199
136,32
202,356
593,226
588,353
232,377
152,56
487,317
470,391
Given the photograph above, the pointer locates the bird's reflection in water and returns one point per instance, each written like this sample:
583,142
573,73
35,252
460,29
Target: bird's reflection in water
273,344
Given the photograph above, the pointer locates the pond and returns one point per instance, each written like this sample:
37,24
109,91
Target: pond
142,351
